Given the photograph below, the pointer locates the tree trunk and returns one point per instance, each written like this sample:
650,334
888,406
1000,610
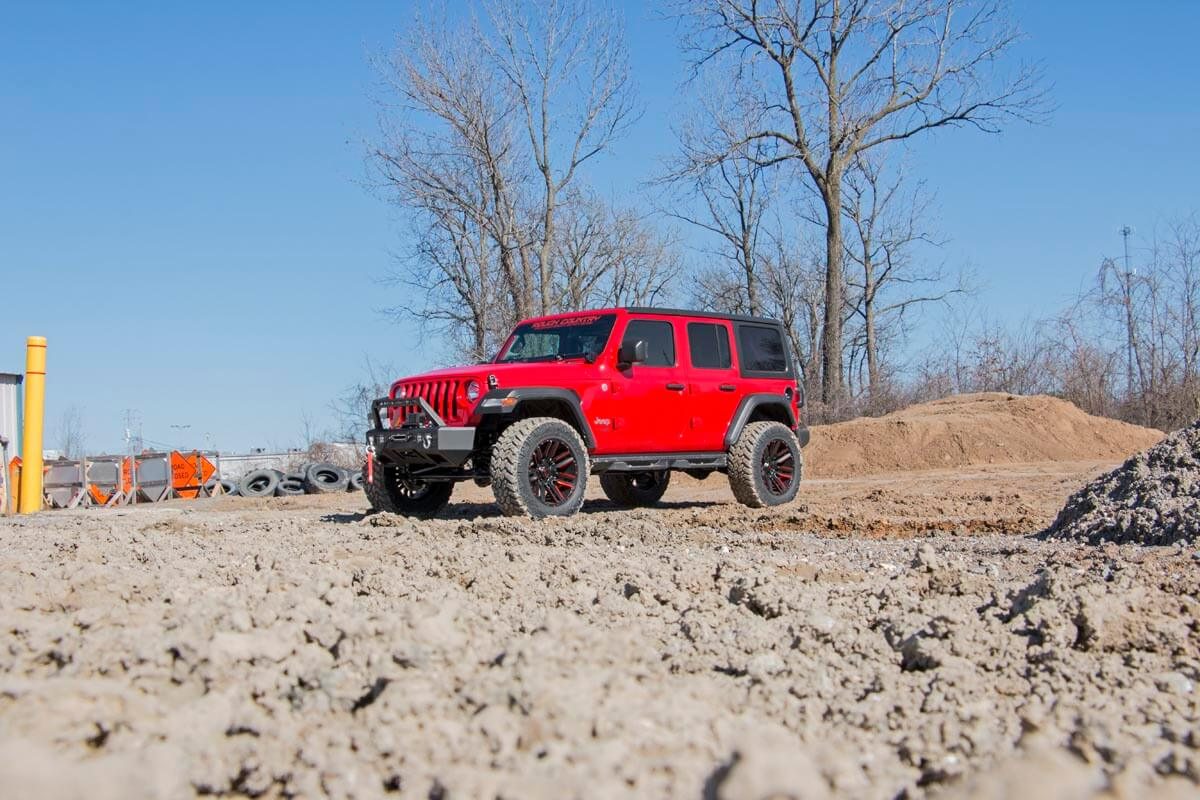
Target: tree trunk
831,335
872,346
547,249
748,268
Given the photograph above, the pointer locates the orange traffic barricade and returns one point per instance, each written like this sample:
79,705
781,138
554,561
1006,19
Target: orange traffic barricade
192,472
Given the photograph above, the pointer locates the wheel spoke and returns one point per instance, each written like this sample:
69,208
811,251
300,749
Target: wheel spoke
777,467
553,472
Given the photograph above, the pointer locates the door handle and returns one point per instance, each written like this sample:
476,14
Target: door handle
727,387
675,387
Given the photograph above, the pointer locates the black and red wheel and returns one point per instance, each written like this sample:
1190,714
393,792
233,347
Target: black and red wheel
539,468
765,465
397,492
635,489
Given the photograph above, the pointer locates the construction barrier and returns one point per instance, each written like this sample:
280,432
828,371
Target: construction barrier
120,480
63,484
153,477
107,482
192,474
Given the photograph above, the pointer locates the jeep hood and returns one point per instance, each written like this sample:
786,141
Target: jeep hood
535,373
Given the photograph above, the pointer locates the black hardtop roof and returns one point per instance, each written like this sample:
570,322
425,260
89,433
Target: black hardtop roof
685,312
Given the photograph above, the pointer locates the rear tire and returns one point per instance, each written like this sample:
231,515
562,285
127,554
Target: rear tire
635,489
393,492
539,469
765,465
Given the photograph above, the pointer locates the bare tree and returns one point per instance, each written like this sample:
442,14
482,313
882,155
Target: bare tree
794,287
72,438
732,197
829,80
484,152
888,283
448,159
609,256
352,407
568,67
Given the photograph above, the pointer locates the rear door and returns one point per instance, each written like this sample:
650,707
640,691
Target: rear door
647,401
712,384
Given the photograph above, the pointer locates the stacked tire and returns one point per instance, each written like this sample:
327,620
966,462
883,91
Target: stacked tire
310,479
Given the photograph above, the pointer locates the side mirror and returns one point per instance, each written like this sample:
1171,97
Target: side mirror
632,352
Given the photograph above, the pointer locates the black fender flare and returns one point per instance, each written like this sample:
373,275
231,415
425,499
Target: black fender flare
514,398
751,403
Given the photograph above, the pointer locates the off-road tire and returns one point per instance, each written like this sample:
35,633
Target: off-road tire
514,473
385,494
635,489
749,477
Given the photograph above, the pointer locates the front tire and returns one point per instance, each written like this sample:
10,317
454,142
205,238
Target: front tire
396,493
635,489
765,465
539,469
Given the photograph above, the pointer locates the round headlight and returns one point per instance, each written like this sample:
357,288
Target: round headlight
473,390
400,393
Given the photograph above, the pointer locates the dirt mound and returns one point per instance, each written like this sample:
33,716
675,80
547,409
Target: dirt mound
1153,498
971,430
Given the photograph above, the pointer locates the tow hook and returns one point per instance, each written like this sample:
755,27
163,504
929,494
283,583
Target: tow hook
371,464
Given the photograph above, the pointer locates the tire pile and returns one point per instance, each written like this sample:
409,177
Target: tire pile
310,479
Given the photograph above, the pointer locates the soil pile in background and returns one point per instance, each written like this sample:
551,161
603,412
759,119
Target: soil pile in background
1153,498
971,430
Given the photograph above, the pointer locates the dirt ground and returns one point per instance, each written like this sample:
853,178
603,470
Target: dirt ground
890,636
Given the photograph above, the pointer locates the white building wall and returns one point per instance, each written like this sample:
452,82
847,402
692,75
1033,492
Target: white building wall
233,467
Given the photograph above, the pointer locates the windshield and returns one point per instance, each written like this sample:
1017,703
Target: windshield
558,339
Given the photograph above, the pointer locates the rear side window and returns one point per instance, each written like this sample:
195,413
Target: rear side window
761,349
708,345
659,338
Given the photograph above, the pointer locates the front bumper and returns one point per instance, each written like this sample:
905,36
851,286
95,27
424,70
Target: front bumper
423,439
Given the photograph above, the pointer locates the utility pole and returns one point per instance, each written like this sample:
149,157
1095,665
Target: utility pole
133,441
1129,328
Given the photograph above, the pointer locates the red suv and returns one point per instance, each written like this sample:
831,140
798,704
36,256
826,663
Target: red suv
628,394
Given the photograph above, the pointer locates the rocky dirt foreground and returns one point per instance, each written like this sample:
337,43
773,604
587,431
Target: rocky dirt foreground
303,648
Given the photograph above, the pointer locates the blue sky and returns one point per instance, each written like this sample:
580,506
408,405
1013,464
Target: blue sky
182,211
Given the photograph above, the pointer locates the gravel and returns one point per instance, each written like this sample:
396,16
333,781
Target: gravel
1151,499
304,648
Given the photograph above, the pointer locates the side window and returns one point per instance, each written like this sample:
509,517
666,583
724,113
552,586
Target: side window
659,338
708,345
761,349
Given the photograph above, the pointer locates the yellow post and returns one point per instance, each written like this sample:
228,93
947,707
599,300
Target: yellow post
35,412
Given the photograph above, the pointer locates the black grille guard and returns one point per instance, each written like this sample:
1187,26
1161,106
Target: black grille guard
413,407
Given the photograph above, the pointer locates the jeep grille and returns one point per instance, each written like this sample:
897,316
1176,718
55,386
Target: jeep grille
442,397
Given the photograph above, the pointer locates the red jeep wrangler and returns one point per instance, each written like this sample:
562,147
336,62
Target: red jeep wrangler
629,394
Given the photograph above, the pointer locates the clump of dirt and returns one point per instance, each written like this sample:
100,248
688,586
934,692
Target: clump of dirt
971,430
1151,499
